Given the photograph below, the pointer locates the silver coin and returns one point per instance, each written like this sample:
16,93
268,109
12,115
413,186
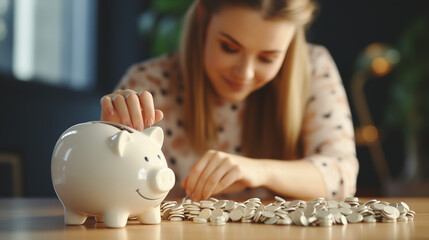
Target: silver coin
217,212
303,221
205,213
369,219
390,212
355,218
176,219
220,204
271,220
236,214
285,221
199,220
352,199
344,205
405,206
280,199
343,220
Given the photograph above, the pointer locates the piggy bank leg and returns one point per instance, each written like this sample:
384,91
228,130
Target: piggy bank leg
153,216
115,218
72,218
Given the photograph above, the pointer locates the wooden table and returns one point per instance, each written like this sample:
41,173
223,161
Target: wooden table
43,219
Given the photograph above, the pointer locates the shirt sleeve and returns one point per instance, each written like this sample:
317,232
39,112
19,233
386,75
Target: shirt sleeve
328,133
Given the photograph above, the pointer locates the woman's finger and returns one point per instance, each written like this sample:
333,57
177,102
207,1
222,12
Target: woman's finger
146,102
205,177
159,115
228,179
195,172
134,110
122,109
107,106
214,178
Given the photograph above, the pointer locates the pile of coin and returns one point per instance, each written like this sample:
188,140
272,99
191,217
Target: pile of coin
317,212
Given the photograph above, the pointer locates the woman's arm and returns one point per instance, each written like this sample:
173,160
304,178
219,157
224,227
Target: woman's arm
297,179
219,172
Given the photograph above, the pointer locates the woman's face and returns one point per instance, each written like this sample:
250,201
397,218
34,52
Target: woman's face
243,52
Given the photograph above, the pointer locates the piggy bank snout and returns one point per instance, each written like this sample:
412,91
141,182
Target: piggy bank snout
164,180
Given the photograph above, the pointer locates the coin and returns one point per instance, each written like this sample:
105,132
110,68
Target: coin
199,220
205,213
355,218
236,215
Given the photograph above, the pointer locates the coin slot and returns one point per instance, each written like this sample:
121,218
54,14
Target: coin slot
116,125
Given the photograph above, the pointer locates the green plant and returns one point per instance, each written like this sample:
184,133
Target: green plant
409,103
409,108
161,25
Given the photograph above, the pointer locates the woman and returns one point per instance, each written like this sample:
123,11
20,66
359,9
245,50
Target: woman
248,105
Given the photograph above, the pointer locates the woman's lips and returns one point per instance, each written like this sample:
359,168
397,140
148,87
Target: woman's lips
235,86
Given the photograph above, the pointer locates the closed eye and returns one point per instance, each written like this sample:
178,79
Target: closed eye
228,49
265,60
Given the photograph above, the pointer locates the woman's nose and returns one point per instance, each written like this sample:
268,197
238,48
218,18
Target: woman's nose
244,70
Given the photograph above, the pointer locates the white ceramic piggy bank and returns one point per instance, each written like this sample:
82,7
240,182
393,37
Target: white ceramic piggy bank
111,171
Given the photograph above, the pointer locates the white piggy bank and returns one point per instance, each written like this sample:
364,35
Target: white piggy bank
111,171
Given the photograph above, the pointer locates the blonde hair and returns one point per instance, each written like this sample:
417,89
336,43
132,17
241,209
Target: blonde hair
274,114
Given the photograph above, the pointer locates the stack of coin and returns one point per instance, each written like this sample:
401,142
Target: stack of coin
389,214
218,221
377,208
177,213
192,209
410,215
166,209
325,218
317,212
352,201
199,220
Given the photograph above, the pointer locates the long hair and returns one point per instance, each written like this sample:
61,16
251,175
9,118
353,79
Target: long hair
274,114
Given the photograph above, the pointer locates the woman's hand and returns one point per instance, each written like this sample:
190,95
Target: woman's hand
217,171
130,108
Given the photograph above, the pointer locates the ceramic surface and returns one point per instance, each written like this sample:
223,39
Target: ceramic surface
112,172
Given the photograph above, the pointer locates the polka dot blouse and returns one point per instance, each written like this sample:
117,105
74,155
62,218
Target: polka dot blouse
328,133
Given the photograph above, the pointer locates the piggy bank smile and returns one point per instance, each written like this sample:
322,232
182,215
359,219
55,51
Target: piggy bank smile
151,199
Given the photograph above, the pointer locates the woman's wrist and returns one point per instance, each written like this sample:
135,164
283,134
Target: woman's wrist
257,175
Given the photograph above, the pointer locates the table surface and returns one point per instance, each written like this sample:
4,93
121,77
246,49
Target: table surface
31,218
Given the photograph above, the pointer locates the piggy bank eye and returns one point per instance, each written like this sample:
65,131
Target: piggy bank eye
146,159
159,157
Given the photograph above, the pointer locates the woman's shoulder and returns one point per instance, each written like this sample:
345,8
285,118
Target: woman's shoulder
161,63
318,52
154,72
321,61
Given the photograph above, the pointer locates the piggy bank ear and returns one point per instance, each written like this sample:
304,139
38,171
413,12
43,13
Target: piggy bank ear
119,141
156,134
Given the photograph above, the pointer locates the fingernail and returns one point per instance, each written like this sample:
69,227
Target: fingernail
126,96
139,93
149,122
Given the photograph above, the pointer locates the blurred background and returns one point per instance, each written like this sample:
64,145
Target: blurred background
58,57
